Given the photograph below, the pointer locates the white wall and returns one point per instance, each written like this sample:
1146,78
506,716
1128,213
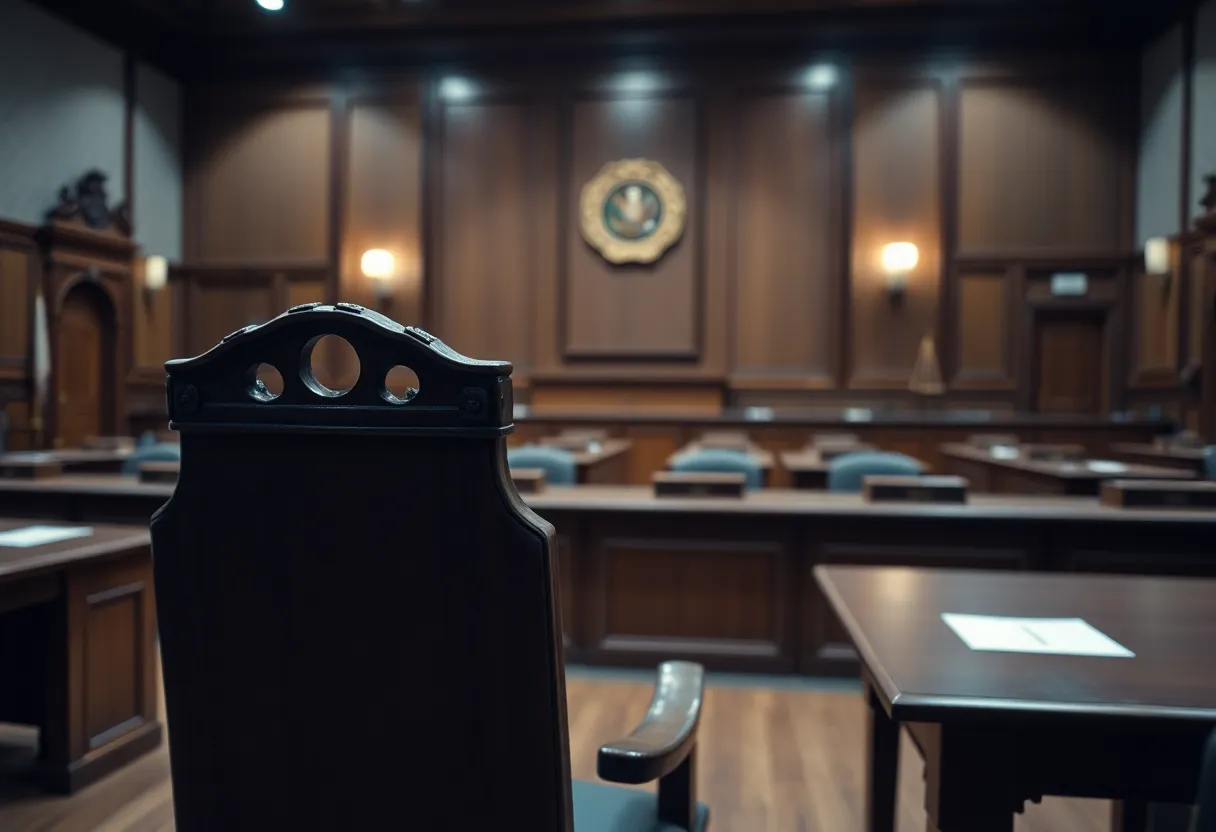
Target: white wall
1157,174
61,110
158,163
1203,103
62,113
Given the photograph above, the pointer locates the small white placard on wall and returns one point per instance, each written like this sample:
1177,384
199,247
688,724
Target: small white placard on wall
1069,284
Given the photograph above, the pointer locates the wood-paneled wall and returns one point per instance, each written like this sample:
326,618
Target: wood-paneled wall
1001,171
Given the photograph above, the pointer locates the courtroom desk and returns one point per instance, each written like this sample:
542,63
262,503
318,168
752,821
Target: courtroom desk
80,460
917,433
996,729
808,470
603,463
765,459
84,498
1146,453
996,475
78,651
726,581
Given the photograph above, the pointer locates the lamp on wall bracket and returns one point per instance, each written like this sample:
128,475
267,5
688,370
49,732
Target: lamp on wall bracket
156,276
898,261
379,266
1157,261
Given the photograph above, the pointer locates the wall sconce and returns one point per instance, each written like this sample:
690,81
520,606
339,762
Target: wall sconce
379,266
156,275
1157,260
898,259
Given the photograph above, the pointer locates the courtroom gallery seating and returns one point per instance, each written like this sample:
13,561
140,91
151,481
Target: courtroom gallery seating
157,452
359,626
721,461
847,472
557,463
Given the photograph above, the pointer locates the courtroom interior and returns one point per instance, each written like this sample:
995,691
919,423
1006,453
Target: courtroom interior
608,415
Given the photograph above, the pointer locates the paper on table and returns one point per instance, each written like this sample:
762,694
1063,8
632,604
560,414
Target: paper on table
28,536
1061,636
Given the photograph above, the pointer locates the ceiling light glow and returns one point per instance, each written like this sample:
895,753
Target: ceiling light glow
457,89
820,77
271,5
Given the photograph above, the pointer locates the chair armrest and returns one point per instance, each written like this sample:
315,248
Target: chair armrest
665,736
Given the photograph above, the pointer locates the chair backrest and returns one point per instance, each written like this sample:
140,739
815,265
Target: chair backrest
721,461
357,612
557,463
847,472
1205,805
158,452
146,438
1209,462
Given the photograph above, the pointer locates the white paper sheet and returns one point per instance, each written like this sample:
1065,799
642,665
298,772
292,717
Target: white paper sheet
28,536
1061,636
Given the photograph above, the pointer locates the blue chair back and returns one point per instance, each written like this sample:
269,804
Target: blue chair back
721,461
146,439
1209,462
847,472
159,452
557,463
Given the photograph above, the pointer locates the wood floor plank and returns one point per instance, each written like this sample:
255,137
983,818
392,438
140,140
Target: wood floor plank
770,760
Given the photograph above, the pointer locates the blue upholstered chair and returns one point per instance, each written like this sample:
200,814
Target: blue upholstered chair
158,452
1209,462
848,471
146,439
557,463
721,461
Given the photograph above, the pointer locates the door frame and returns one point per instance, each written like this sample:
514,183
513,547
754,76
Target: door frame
1112,325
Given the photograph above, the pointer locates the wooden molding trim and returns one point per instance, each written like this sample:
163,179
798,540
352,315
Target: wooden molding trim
17,234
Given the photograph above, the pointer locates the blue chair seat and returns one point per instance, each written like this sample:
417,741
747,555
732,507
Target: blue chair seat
557,463
603,808
721,461
848,471
159,452
1209,462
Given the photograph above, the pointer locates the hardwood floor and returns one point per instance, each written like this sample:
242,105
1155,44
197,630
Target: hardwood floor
779,758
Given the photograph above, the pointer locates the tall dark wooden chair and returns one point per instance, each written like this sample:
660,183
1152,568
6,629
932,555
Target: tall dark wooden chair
358,615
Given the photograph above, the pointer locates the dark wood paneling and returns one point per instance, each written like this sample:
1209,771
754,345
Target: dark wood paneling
383,196
258,184
486,229
1156,319
1041,167
787,241
983,337
633,311
219,306
896,197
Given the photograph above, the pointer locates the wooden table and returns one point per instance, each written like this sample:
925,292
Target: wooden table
997,729
84,498
765,459
999,475
603,462
809,470
78,651
1146,453
80,460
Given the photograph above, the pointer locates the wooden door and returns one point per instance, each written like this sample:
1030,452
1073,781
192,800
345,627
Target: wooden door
83,353
1069,365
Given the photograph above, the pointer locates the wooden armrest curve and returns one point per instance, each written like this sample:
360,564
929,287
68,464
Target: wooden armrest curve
666,735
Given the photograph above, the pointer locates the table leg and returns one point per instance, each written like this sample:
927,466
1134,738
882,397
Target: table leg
882,766
1138,816
969,778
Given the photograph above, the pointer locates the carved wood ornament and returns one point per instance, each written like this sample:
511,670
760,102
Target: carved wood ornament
86,202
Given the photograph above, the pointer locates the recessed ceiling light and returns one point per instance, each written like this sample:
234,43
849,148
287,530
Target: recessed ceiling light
271,5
